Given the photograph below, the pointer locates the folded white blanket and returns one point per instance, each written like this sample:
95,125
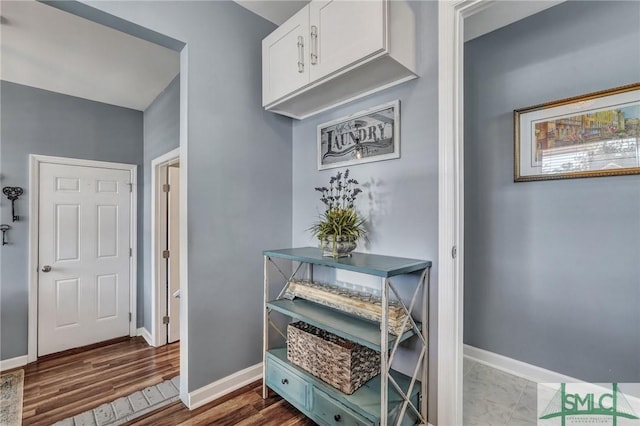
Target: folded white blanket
359,304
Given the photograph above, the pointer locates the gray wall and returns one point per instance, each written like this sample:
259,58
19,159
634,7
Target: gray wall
239,176
35,121
552,268
161,134
400,196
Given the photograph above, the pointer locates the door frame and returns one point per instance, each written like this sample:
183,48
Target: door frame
452,14
158,220
34,236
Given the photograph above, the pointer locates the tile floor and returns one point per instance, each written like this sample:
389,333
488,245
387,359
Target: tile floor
492,397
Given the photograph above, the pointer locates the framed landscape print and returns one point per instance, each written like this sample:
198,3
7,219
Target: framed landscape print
363,137
592,135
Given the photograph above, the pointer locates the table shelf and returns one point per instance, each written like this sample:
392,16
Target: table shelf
365,263
359,330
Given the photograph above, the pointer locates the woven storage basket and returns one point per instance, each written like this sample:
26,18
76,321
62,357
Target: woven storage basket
343,364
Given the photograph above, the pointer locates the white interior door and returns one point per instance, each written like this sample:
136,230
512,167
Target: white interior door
173,244
84,251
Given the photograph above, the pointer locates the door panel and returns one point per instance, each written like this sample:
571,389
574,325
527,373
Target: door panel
84,231
67,184
67,232
67,302
107,296
107,231
107,186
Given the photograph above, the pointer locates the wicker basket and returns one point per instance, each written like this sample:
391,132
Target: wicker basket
343,364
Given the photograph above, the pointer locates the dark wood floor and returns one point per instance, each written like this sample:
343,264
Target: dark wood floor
64,385
60,386
244,407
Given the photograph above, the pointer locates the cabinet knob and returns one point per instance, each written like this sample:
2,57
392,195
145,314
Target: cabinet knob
285,381
337,418
46,268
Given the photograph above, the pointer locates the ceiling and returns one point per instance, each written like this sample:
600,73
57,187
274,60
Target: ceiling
276,11
47,48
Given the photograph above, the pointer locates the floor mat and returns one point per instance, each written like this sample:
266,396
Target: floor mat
127,408
11,387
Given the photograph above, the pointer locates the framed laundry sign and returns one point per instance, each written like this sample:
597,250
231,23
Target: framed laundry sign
363,137
597,134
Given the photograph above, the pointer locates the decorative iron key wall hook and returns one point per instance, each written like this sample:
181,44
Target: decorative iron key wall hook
12,193
4,228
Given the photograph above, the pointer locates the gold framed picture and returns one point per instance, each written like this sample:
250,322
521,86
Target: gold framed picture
597,134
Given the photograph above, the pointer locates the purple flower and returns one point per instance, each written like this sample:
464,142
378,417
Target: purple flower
341,193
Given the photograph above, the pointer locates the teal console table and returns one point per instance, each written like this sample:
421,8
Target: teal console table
389,398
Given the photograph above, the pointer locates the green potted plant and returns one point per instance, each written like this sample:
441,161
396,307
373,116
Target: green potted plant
340,226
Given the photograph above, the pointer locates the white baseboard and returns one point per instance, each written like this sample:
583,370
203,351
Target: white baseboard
224,386
8,364
518,368
145,335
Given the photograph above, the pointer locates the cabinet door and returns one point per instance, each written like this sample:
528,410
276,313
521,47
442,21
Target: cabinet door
343,32
285,58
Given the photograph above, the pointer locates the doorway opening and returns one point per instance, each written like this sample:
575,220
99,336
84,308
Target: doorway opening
104,151
165,247
458,21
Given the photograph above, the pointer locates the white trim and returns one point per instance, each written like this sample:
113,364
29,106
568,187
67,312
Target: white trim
144,333
518,368
11,363
32,274
158,222
34,193
224,386
81,162
503,13
184,228
450,297
133,260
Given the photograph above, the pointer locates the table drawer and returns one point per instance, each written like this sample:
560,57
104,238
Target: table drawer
289,385
332,412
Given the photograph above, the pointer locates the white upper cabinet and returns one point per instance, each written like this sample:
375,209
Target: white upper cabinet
343,32
334,51
285,57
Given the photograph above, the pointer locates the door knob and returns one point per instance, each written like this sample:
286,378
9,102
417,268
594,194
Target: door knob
46,268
